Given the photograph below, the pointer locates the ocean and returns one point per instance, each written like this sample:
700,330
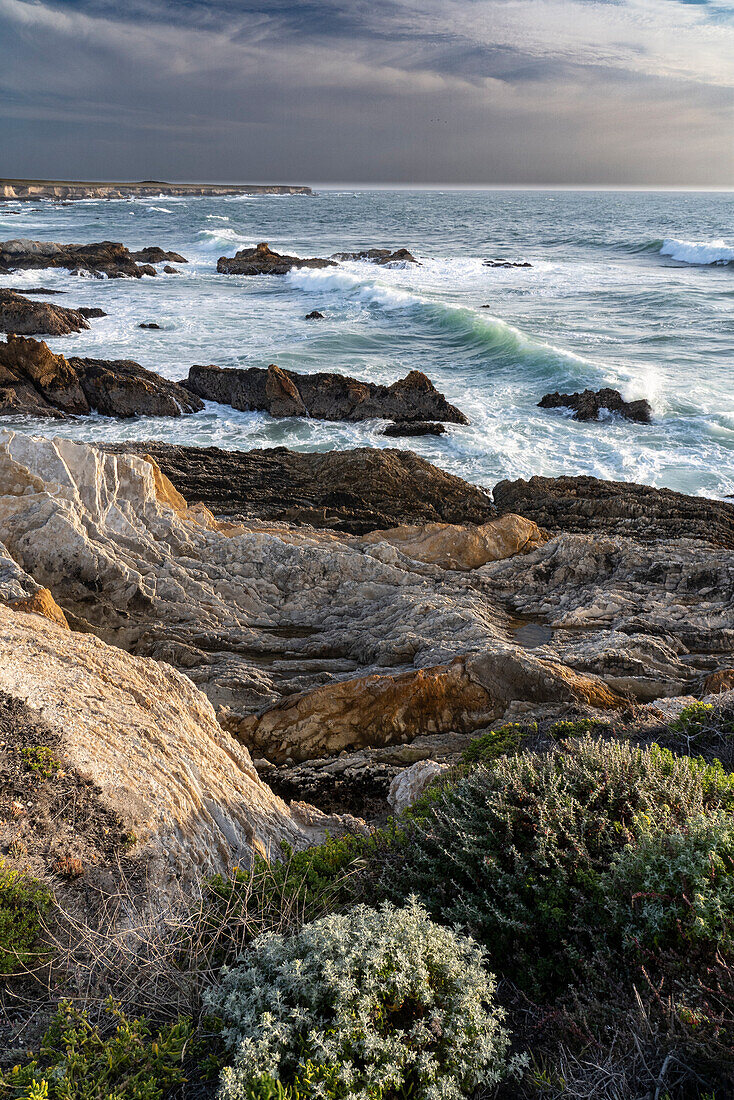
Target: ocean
633,290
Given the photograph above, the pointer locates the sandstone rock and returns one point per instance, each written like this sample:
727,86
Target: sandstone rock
322,396
588,404
262,261
352,491
454,547
415,427
21,593
36,381
23,317
589,506
150,743
383,256
720,681
103,258
408,785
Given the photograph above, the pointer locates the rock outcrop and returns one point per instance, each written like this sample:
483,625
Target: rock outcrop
261,260
147,740
386,257
102,258
457,547
588,404
35,381
349,491
322,396
588,505
26,318
70,190
403,428
409,784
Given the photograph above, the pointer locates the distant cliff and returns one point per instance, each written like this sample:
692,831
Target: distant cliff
77,189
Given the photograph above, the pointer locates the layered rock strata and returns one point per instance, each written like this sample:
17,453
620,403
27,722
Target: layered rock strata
322,396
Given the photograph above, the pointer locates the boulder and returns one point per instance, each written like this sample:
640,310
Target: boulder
91,311
102,258
587,405
148,324
413,427
153,255
588,505
36,381
460,547
24,317
409,784
350,491
383,256
322,396
314,315
261,260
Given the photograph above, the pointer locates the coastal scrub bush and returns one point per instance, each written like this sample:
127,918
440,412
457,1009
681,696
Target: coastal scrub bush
676,889
370,1005
515,853
80,1060
495,743
24,903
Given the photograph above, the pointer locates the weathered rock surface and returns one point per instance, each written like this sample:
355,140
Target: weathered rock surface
382,256
351,491
322,396
27,318
409,784
149,742
413,427
589,403
589,506
154,255
108,258
261,260
459,547
37,382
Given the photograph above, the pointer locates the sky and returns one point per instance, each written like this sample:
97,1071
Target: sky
462,92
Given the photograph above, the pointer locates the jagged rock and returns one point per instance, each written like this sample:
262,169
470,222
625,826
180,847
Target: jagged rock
154,255
23,317
383,256
587,405
262,261
150,744
408,785
91,311
108,258
588,505
414,427
314,315
322,396
351,491
21,593
37,382
456,547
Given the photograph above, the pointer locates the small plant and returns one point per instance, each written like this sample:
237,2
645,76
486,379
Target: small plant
40,760
369,1005
495,743
68,866
80,1060
577,728
24,903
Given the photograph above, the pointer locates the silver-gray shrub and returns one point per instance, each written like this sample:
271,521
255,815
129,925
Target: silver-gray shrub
364,1004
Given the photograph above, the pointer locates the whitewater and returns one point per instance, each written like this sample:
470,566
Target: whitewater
630,290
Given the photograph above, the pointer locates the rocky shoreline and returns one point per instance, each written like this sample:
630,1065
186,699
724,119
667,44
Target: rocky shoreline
66,190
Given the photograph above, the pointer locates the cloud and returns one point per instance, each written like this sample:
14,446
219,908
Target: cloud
636,91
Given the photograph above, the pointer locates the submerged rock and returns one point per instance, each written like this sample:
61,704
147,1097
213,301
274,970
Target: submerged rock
589,403
314,315
505,263
26,318
261,260
350,491
148,324
108,258
413,427
588,505
383,256
37,382
322,396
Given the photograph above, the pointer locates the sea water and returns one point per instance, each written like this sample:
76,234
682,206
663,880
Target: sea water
626,289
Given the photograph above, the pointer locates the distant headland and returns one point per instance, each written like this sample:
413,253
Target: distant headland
80,189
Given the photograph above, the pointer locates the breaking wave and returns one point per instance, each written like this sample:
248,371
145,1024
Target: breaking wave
698,252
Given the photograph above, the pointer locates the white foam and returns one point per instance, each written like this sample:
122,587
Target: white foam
212,240
698,252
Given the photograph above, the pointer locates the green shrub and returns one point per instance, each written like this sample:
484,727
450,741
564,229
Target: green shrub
674,889
495,743
515,852
78,1062
369,1005
40,760
24,903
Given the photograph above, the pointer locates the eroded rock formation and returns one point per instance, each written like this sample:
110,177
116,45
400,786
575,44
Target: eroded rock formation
588,404
386,257
108,258
27,318
261,260
322,396
413,427
37,382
